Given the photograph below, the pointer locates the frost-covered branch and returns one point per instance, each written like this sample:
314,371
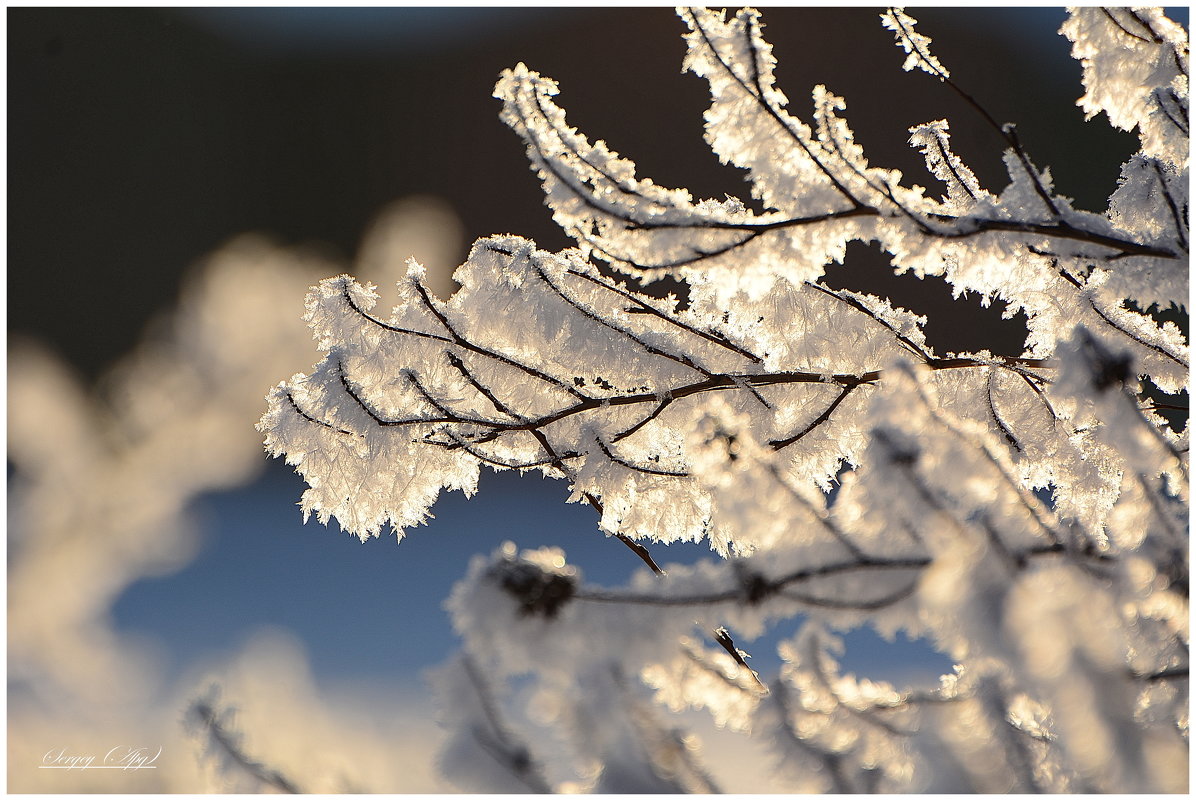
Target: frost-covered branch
1026,513
214,722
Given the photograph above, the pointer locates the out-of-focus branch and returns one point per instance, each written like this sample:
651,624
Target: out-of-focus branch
214,723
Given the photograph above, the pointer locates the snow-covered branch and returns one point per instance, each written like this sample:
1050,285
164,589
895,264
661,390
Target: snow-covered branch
1025,513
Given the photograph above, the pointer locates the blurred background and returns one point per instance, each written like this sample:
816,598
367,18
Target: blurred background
178,177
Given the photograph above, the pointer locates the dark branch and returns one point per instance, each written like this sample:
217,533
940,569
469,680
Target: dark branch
714,337
847,389
723,638
205,714
996,417
871,604
637,467
498,357
858,305
498,741
866,564
1156,348
299,411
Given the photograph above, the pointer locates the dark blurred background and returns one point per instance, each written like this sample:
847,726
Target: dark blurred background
141,139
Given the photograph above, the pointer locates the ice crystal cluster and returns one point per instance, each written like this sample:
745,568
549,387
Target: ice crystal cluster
1027,514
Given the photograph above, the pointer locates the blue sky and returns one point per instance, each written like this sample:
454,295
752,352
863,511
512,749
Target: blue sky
374,610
